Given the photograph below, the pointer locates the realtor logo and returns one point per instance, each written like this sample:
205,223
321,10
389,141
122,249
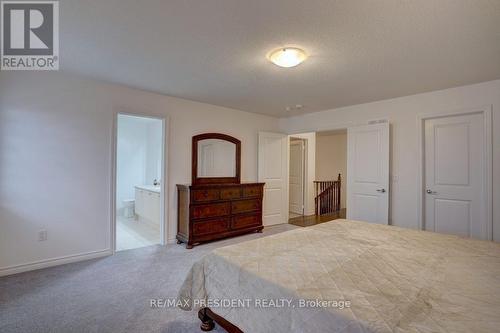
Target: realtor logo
30,35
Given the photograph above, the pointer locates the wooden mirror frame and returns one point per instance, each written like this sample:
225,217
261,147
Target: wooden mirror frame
215,180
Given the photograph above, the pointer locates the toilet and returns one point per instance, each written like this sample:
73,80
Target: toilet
128,208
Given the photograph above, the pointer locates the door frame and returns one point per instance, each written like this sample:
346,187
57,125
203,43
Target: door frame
304,171
163,184
335,126
486,112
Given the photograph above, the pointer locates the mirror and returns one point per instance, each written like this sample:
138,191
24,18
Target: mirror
216,159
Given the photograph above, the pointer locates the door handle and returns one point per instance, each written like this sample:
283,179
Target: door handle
382,190
431,192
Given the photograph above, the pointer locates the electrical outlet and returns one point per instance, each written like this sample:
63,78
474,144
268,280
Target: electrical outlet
42,235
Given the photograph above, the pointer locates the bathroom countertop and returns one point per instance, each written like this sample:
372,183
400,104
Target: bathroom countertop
150,188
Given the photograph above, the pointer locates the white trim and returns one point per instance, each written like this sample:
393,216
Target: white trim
171,241
112,185
54,262
164,197
287,180
305,187
164,181
327,127
486,112
305,174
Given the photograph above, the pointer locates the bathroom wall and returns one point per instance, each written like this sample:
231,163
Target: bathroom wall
154,152
138,155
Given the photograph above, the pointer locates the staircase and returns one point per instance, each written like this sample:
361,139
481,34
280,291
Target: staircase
327,199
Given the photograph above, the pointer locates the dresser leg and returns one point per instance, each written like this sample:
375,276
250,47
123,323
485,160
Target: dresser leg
189,247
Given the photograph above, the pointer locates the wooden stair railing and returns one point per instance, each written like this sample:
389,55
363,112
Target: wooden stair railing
327,199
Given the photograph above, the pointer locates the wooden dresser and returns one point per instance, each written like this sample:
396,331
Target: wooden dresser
214,211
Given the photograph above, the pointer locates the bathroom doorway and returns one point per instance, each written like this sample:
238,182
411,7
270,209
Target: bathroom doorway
139,188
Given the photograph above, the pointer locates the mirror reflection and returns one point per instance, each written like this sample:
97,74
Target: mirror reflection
216,158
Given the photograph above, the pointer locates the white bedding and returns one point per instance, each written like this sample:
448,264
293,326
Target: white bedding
397,280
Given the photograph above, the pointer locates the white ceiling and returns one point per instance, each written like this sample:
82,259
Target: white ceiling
214,51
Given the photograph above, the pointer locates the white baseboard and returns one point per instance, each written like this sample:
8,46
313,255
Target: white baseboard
4,271
172,241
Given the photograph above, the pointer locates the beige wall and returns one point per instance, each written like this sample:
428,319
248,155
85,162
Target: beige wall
56,154
402,114
331,159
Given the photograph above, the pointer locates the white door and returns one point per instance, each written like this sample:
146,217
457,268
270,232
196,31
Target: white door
454,171
368,173
297,148
273,168
216,158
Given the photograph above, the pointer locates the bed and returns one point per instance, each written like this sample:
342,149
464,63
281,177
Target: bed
348,276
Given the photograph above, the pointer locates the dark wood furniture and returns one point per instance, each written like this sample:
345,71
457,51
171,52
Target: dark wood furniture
208,317
214,180
217,207
215,211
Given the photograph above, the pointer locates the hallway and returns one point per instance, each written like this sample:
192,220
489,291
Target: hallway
307,221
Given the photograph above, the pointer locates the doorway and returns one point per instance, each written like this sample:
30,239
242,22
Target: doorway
331,164
297,177
351,174
325,169
139,190
346,174
455,175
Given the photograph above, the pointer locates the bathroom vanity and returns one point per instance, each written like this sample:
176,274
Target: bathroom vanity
147,204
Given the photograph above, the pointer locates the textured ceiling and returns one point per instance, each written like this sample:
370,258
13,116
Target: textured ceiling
214,51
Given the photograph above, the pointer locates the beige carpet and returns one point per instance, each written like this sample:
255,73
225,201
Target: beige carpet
111,294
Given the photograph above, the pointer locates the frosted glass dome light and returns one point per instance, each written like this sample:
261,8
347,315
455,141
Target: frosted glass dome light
287,56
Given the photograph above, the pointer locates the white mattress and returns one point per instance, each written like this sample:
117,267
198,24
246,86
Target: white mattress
396,280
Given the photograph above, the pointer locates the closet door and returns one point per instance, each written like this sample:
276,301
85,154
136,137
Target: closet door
454,173
368,173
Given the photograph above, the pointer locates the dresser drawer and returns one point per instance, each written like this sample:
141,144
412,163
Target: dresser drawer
252,191
210,227
228,193
201,195
210,210
244,221
243,206
214,211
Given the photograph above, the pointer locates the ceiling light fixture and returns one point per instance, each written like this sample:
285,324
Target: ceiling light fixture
287,56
